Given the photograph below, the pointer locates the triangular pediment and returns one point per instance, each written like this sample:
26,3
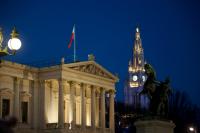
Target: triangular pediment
93,68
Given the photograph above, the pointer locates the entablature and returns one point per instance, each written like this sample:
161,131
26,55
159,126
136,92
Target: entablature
18,70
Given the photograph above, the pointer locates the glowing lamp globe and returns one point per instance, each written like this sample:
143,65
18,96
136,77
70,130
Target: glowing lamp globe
14,44
191,129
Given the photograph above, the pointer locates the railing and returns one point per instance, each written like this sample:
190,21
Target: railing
52,125
67,126
23,125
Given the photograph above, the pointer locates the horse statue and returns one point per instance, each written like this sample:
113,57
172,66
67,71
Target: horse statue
157,92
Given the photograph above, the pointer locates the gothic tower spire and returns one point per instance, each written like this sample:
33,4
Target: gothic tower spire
138,55
136,68
137,75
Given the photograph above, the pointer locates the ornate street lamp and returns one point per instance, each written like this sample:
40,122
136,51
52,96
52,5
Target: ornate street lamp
14,43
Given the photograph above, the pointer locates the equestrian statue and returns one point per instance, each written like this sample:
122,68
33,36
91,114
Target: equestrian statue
158,92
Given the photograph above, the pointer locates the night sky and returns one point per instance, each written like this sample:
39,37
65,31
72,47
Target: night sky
170,31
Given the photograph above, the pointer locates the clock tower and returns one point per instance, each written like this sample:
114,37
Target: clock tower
137,77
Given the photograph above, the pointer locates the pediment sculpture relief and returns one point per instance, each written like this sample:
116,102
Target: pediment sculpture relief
92,69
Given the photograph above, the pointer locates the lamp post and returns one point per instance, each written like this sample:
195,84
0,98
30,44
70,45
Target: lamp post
14,43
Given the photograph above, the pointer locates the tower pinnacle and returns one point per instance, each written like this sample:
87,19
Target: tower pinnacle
137,29
137,34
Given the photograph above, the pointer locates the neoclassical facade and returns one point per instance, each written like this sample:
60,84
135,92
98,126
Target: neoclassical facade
63,98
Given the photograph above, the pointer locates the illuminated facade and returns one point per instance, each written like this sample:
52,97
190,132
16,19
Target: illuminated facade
137,77
62,98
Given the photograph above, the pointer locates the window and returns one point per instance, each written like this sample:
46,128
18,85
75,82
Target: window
5,108
24,110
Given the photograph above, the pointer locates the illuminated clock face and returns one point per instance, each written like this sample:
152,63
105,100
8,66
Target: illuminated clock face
143,78
135,78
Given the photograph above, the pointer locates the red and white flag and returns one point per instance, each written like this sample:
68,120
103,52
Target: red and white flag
72,37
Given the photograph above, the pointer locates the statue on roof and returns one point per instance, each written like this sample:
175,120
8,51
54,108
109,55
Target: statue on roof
1,37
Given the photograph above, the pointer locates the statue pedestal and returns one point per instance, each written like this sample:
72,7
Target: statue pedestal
154,126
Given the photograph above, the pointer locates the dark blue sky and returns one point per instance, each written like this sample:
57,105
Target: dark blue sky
170,31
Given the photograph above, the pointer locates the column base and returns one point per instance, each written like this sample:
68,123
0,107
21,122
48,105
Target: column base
154,126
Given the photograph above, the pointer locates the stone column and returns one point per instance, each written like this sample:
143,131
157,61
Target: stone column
16,98
21,85
112,111
42,105
35,104
93,105
97,109
83,104
72,103
30,104
61,114
102,114
51,98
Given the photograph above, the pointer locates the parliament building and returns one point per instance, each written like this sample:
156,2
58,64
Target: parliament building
63,98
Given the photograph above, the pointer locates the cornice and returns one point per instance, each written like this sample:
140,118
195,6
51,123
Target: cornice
15,65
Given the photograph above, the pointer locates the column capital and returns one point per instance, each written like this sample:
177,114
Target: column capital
97,87
17,79
88,85
93,87
36,80
71,83
51,84
112,91
41,81
83,85
61,79
102,89
97,94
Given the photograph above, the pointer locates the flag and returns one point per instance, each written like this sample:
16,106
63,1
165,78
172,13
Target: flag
72,37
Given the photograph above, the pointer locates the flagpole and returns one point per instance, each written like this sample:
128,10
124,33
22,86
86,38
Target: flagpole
74,44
